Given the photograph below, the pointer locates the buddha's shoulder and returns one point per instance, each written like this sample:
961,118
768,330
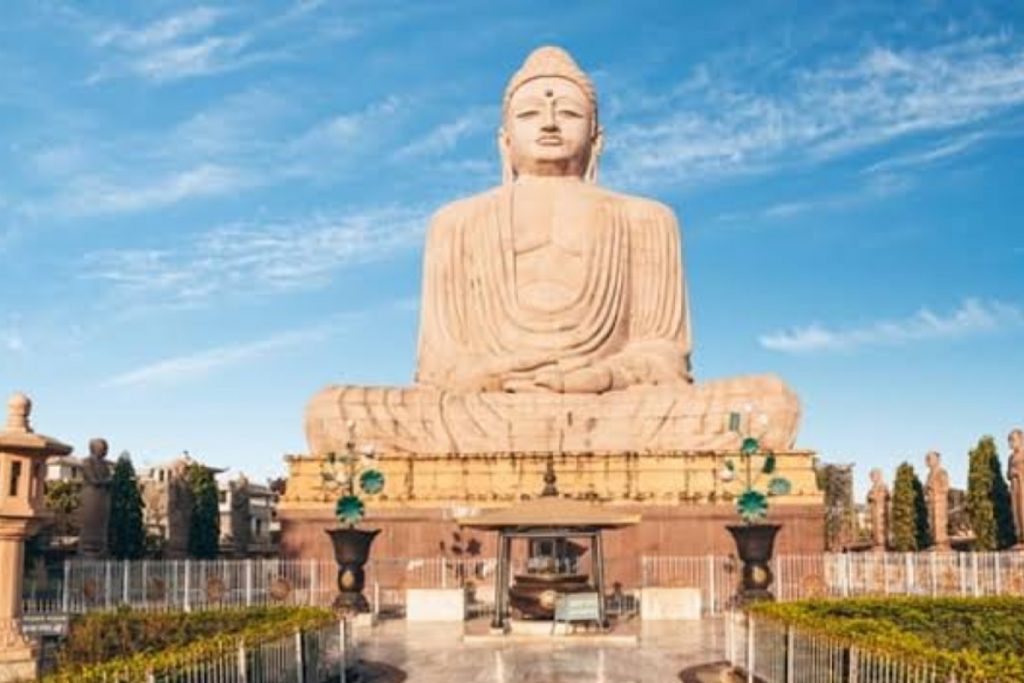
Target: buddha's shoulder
466,207
635,207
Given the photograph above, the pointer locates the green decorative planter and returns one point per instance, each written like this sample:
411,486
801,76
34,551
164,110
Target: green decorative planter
351,551
755,544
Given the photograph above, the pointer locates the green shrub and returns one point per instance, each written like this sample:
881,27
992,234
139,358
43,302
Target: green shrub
978,639
100,644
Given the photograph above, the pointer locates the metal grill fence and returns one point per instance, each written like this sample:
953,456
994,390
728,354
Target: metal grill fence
160,585
311,656
774,653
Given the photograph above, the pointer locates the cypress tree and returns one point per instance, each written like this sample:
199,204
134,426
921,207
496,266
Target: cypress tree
922,525
126,531
988,498
909,511
204,528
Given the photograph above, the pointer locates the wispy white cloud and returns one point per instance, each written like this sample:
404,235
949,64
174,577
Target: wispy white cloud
194,366
252,259
945,150
971,318
161,32
710,126
178,46
877,187
445,137
90,195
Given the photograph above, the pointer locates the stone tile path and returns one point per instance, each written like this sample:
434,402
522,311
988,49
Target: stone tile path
429,653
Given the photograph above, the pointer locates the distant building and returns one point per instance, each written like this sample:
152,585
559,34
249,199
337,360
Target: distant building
168,503
67,468
248,519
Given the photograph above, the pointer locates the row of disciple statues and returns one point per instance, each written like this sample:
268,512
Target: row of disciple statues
936,491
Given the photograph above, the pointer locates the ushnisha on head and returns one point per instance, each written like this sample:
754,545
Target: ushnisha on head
876,476
98,448
933,459
549,119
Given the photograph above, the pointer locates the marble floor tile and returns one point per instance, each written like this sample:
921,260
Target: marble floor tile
430,653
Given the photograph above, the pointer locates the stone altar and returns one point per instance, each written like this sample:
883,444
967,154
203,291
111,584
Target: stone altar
554,320
936,490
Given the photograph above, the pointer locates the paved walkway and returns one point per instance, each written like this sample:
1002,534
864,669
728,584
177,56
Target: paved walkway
429,653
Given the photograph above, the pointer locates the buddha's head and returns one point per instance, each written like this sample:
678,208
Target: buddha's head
549,119
933,460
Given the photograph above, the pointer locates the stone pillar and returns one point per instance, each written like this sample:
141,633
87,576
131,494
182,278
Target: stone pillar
22,472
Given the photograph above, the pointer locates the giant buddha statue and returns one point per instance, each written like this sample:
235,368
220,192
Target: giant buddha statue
554,315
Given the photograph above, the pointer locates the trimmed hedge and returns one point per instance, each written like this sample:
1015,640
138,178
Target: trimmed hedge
977,639
100,645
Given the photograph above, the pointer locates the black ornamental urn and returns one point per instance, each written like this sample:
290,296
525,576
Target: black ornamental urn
755,544
351,551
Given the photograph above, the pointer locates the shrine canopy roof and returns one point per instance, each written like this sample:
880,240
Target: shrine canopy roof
549,512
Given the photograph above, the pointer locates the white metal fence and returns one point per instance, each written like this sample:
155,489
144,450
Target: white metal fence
311,656
774,653
194,584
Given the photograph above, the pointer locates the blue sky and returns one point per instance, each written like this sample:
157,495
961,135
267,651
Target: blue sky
207,212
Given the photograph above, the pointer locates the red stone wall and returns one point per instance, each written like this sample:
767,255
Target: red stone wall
679,530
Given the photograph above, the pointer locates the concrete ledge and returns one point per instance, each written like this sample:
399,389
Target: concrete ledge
435,604
670,604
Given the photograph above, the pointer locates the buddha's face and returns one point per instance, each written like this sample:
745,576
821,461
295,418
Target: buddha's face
549,128
1016,440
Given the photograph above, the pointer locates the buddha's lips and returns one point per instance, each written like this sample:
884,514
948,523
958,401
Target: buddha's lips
549,140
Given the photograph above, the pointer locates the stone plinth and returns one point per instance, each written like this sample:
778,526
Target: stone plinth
670,604
435,604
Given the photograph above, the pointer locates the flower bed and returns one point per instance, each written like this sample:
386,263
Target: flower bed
975,639
132,643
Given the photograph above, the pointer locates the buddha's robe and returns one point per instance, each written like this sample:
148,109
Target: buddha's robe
600,303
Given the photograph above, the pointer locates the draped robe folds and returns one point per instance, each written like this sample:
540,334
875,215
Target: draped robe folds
627,318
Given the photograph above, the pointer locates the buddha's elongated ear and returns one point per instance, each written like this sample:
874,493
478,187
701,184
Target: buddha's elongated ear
596,147
508,174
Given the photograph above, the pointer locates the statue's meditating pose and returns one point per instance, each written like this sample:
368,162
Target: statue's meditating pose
554,314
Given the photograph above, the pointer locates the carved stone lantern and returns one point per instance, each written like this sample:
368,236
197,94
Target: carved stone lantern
23,455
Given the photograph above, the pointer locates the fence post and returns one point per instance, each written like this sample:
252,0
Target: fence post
712,593
846,574
998,562
187,600
790,655
852,673
935,577
342,652
750,648
243,673
312,582
66,587
974,574
444,572
777,561
126,568
910,576
107,583
248,582
376,598
300,665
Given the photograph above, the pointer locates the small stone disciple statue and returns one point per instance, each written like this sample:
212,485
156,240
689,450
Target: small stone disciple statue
554,314
936,491
1015,474
95,506
878,501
